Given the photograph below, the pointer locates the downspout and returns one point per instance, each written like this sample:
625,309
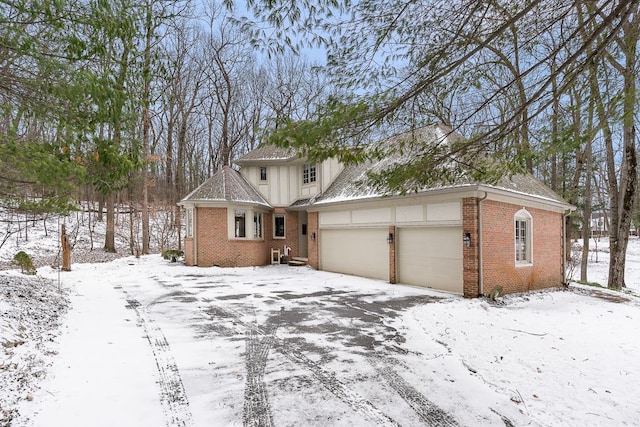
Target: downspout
194,227
564,247
480,279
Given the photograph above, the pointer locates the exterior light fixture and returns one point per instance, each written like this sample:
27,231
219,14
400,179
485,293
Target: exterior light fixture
467,239
313,236
390,238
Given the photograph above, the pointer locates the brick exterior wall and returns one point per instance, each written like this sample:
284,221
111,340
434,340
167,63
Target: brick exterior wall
290,233
312,228
470,277
498,249
392,255
216,249
188,251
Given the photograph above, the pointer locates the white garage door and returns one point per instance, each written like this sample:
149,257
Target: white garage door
362,252
430,257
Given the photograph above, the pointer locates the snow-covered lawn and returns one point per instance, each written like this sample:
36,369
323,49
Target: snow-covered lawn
153,343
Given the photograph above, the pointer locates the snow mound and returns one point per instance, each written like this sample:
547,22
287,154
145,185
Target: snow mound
30,316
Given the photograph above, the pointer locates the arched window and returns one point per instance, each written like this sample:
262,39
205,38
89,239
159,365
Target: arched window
523,225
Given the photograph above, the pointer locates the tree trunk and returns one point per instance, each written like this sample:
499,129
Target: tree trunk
146,125
586,211
110,234
66,249
619,237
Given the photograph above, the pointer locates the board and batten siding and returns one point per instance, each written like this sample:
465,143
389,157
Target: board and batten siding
427,214
284,182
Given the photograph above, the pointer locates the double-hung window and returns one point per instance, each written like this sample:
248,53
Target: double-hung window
257,225
240,223
523,226
308,173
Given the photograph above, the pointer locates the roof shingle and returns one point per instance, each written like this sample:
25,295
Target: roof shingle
226,185
351,184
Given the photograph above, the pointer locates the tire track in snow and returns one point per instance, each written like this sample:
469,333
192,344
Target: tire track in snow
327,379
256,405
257,411
172,393
428,411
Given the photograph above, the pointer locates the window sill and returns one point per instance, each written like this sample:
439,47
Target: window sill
524,264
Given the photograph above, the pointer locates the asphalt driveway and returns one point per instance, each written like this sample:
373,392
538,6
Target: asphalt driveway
285,346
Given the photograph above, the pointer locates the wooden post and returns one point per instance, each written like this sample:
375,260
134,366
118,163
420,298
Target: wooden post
66,250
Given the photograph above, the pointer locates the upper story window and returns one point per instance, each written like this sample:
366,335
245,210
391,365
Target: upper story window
308,173
278,226
523,237
240,223
263,173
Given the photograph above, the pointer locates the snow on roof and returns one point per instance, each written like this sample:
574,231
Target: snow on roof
352,185
529,185
268,152
226,185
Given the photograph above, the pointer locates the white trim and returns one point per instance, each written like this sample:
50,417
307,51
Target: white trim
525,217
249,226
189,223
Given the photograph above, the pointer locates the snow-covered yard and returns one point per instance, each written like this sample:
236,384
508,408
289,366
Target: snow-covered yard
153,343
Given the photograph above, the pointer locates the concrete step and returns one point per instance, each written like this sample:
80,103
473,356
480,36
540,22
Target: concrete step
298,261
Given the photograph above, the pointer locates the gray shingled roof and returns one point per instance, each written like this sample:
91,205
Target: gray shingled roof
268,153
529,185
351,183
226,185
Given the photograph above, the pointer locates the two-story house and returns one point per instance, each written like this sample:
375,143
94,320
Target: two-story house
467,238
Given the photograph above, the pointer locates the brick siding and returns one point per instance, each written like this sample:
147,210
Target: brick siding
188,251
498,249
392,255
470,276
216,249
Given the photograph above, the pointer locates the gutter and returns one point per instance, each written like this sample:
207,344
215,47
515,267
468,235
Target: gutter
466,188
480,278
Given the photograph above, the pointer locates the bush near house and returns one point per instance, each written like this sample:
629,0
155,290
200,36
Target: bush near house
172,254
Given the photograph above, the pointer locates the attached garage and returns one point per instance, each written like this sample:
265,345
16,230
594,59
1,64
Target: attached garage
358,251
430,256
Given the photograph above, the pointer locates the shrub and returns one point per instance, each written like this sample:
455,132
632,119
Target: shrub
172,254
24,261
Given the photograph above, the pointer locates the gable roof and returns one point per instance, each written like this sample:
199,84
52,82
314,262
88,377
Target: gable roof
268,153
351,184
226,185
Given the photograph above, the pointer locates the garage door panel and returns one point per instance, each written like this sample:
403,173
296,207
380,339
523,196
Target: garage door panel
362,252
430,257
